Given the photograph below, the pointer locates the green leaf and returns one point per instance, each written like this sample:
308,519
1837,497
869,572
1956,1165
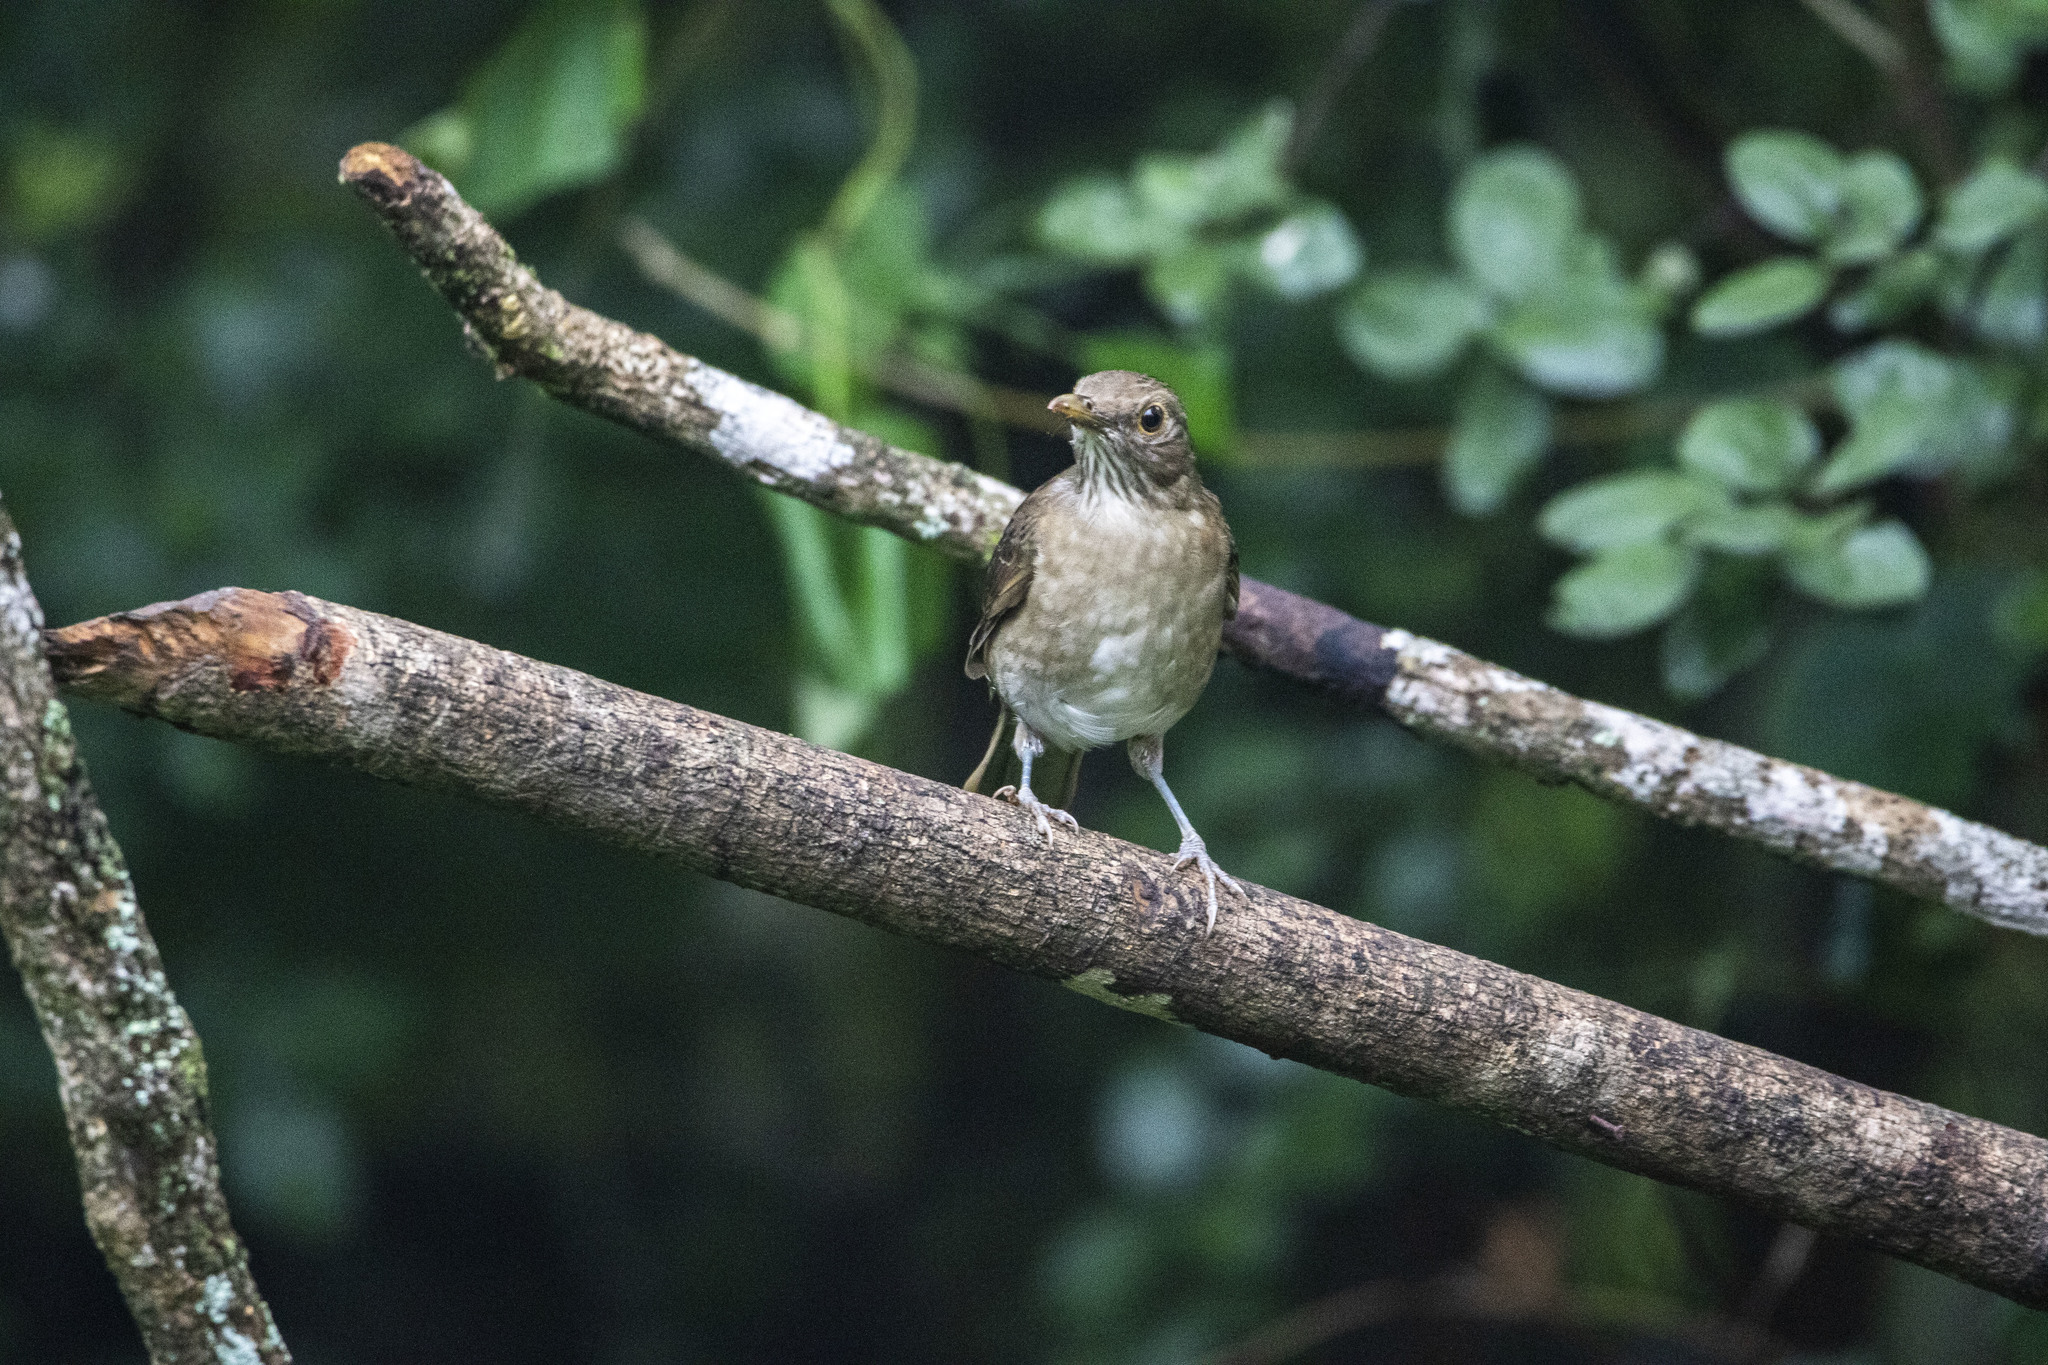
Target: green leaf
1983,44
1170,195
550,109
1096,218
1761,297
1199,374
1698,656
60,181
1189,283
837,336
1894,289
1884,441
1502,429
1890,369
1644,504
2012,308
1873,566
1309,252
1584,342
1174,187
1753,445
1623,589
1244,171
1911,409
1513,218
1723,629
1880,208
2020,616
888,258
1241,177
1587,331
1743,529
1409,324
1996,201
1790,182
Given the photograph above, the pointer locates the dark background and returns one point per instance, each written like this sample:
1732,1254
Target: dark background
487,1092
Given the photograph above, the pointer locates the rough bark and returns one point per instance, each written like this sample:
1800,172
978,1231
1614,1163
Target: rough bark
929,861
608,368
637,380
132,1075
1676,775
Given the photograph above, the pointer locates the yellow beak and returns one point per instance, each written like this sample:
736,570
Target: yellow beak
1075,409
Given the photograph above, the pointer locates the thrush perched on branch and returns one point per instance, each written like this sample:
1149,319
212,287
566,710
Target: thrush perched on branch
1106,599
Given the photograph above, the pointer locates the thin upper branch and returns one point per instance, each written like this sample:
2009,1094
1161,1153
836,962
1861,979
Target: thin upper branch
1860,31
133,1078
1360,39
607,368
1114,921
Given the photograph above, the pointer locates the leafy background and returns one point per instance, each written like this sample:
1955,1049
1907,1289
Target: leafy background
1687,357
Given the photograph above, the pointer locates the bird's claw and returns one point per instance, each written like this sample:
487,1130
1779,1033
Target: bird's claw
1038,810
1193,850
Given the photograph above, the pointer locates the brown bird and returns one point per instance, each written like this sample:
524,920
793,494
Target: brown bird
1106,599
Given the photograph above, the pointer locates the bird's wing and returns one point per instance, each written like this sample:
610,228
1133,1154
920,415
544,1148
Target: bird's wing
1214,508
1009,578
1230,586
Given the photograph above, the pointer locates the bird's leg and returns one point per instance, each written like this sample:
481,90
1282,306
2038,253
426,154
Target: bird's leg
1029,746
1148,756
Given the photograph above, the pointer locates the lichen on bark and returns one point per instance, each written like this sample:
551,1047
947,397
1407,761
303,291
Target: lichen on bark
129,1063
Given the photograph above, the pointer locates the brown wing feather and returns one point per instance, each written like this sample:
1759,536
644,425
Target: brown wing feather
1215,509
1009,578
1230,588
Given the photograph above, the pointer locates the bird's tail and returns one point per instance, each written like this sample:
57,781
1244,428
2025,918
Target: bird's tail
1055,779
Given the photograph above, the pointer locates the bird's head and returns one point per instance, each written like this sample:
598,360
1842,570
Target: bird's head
1129,430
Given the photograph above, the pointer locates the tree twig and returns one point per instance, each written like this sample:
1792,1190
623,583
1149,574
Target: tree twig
132,1077
661,263
1360,38
927,860
607,368
1861,32
1469,1296
1917,88
1898,51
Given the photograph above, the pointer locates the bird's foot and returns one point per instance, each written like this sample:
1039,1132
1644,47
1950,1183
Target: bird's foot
1038,810
1193,850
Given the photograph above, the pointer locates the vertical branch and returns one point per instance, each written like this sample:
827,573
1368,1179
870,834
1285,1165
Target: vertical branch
128,1061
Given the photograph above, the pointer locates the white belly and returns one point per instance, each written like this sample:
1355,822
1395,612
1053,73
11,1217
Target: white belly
1125,648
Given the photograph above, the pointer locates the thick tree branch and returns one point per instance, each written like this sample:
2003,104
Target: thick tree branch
932,862
607,368
132,1075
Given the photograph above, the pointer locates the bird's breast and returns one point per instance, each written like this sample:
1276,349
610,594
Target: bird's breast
1119,631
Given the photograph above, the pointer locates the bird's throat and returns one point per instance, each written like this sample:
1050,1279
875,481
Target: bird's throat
1106,471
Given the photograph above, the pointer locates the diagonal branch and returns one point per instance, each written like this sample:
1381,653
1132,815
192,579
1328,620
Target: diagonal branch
132,1076
932,862
607,368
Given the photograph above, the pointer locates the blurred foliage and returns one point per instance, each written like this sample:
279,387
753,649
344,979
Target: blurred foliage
1719,335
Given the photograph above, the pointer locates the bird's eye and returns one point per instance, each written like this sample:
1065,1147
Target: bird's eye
1151,419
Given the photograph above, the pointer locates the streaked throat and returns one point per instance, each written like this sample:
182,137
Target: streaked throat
1105,472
